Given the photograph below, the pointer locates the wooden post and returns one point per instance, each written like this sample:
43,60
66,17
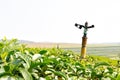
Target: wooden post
59,78
83,48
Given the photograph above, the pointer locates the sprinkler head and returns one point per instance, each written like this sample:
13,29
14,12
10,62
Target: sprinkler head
80,26
76,24
92,26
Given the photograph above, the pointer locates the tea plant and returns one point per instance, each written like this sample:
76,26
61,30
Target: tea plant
17,62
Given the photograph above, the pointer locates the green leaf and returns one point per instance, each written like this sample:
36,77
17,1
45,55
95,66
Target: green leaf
1,62
36,56
26,75
110,70
8,78
59,73
16,62
26,59
3,55
118,77
8,56
6,68
4,74
43,52
101,64
35,75
34,64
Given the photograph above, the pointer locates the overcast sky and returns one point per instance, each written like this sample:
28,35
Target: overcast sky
53,20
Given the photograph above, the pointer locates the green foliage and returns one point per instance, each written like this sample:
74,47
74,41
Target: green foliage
20,63
26,75
118,77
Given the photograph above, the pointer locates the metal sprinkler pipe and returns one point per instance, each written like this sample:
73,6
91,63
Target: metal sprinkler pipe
84,38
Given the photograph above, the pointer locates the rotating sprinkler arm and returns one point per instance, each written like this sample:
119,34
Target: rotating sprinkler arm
86,27
78,25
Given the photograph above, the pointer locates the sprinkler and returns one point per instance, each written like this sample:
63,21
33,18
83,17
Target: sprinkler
84,38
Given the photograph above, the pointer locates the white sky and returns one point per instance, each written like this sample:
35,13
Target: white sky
53,20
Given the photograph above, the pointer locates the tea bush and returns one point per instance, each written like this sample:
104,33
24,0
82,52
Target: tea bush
18,62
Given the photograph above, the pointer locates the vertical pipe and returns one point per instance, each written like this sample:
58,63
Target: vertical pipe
59,78
83,48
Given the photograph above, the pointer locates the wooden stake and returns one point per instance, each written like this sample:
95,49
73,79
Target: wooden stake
83,48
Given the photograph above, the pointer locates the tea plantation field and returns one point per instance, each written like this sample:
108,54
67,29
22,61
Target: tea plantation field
18,62
108,51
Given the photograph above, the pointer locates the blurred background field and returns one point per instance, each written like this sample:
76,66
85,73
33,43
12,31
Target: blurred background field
108,51
111,50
